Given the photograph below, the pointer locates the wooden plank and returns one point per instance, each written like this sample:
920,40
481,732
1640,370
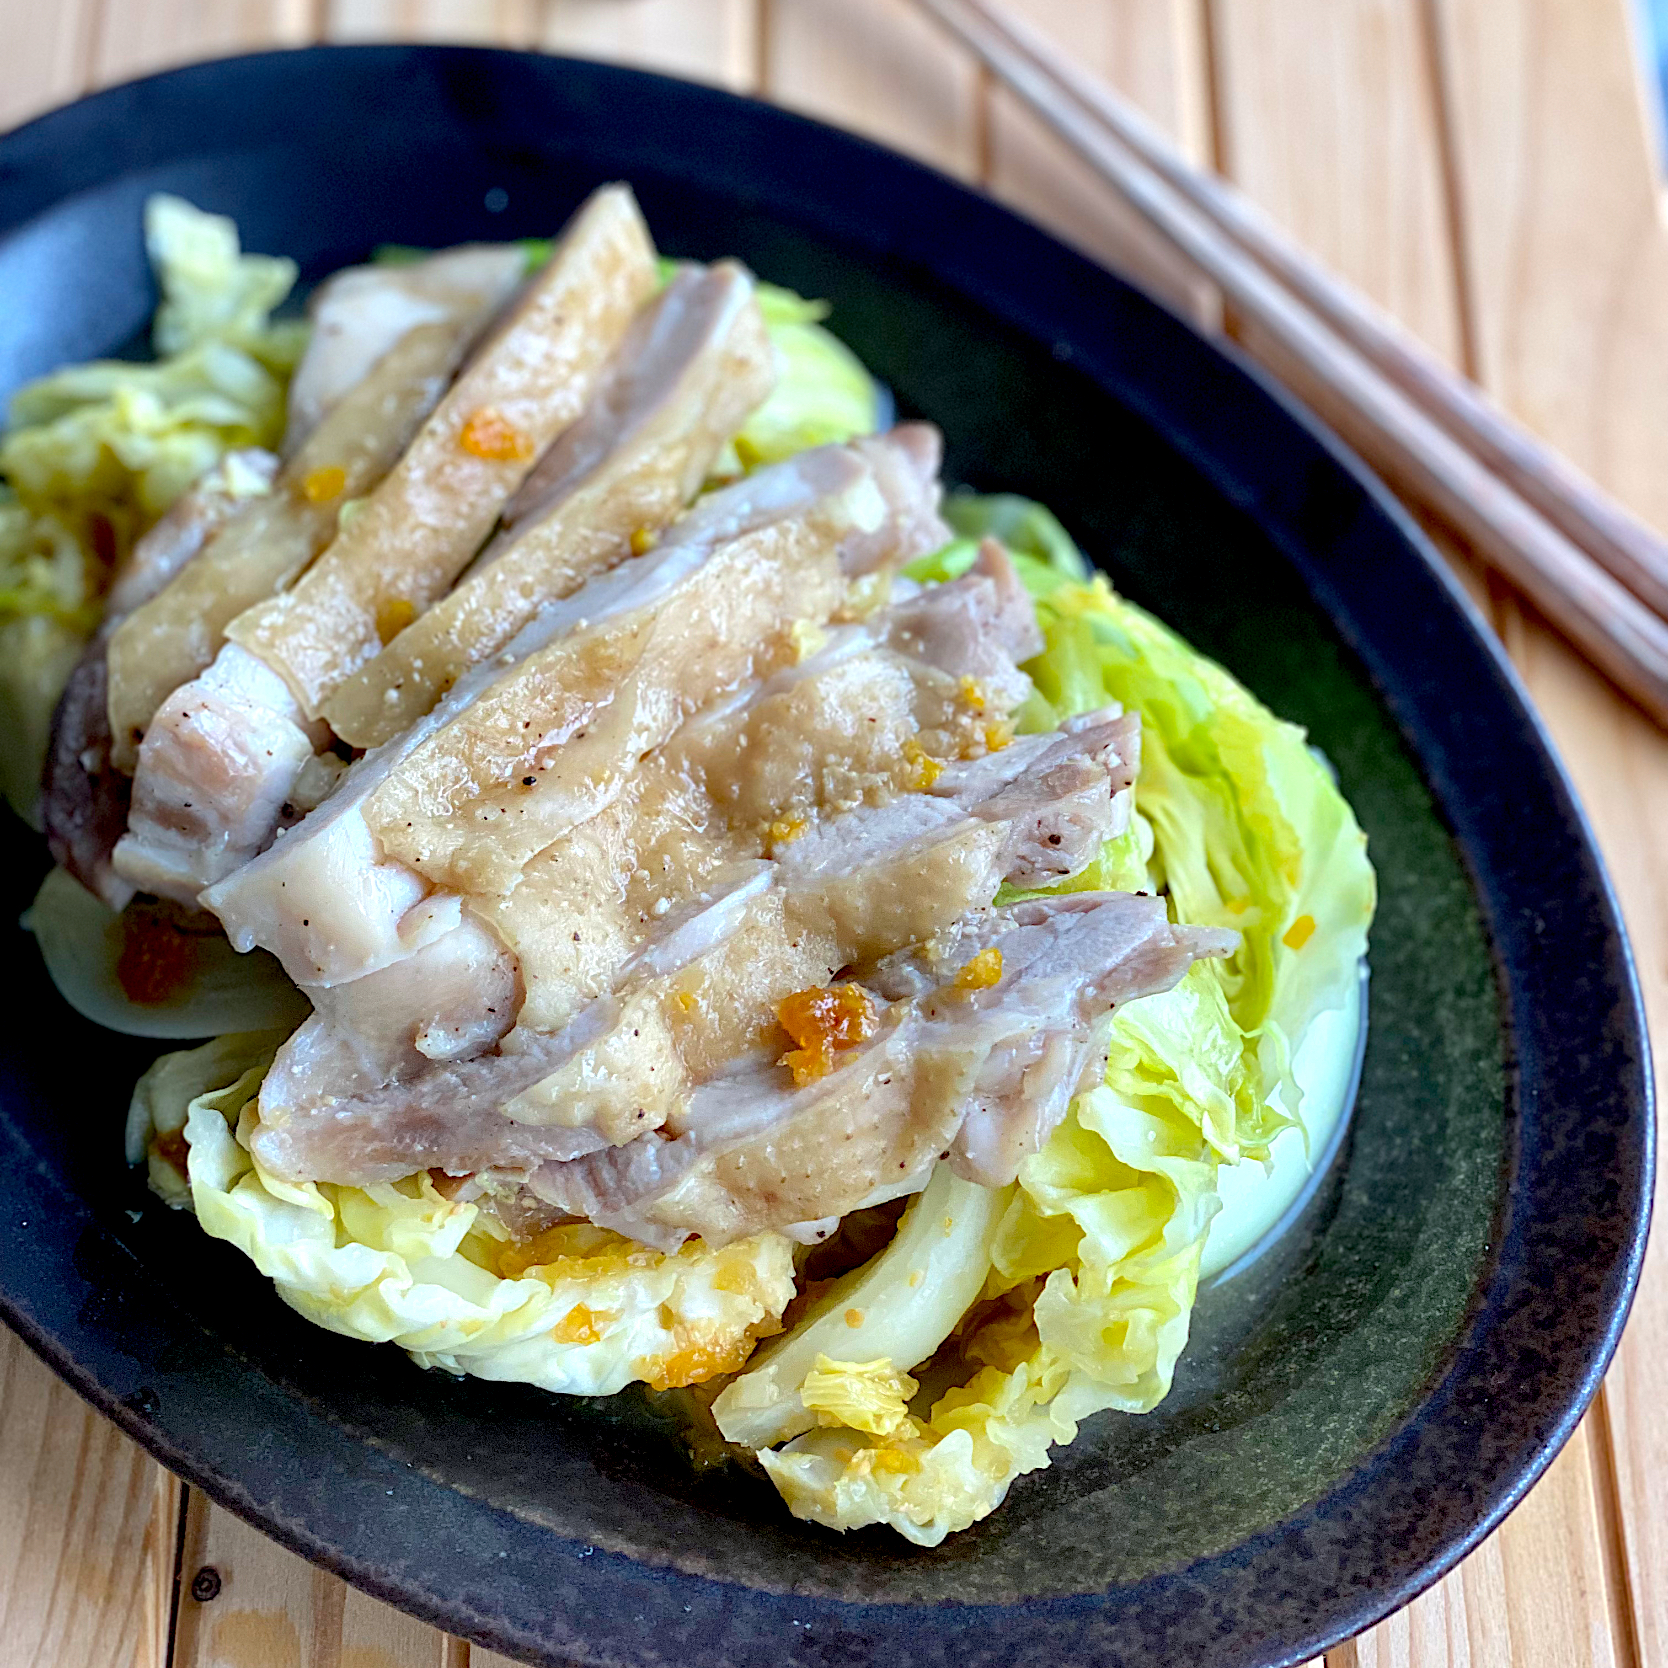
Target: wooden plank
881,68
1477,1617
714,40
1333,116
136,39
1152,51
87,1529
247,1603
47,51
1326,115
475,22
1567,260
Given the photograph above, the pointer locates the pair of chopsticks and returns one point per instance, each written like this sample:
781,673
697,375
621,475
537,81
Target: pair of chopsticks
1597,573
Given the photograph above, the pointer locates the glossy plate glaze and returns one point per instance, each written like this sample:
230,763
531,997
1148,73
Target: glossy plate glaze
1357,1409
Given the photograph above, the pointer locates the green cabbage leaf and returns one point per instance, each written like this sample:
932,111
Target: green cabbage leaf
1091,1276
823,393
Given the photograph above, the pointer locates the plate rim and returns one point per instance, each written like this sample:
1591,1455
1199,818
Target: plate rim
1343,1619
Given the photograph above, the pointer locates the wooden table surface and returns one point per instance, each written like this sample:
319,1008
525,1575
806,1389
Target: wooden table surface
1487,170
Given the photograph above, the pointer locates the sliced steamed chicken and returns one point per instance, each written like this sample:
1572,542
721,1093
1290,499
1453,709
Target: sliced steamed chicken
704,989
225,754
177,633
84,795
359,417
711,608
979,1071
368,882
692,368
358,315
527,383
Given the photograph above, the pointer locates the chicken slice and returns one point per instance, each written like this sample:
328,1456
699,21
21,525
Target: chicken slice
216,771
450,1117
841,729
358,314
606,676
85,797
753,1150
363,915
905,873
692,367
699,994
419,528
984,632
176,634
908,876
333,901
361,1037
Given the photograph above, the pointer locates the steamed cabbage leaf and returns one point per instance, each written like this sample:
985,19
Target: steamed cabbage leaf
898,1307
49,589
1099,1250
104,448
1091,1277
823,393
578,1310
87,947
93,454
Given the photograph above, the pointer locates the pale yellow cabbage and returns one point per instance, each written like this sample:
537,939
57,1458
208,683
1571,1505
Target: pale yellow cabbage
107,446
48,604
899,1306
823,393
82,941
1091,1276
1100,1247
94,453
870,1396
579,1310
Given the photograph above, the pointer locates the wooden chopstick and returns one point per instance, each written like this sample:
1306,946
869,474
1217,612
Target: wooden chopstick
1590,567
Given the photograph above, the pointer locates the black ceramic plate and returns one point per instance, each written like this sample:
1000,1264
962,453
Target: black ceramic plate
1348,1422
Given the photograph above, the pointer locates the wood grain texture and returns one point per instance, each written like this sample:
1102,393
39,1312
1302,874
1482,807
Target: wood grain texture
1326,115
715,40
881,68
1566,254
1567,258
470,22
1333,118
1153,52
134,37
245,1602
47,51
86,1529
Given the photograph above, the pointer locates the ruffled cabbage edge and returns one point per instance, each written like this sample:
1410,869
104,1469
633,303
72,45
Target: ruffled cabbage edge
93,454
1094,1270
580,1311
